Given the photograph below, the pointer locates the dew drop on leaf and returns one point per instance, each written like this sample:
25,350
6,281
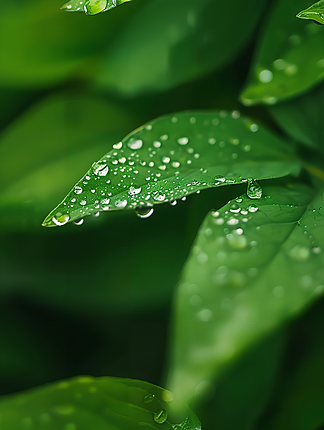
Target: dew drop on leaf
78,221
133,191
60,219
135,143
144,212
149,398
161,417
254,191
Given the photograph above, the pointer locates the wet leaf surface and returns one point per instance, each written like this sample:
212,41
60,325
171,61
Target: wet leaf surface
91,7
289,58
254,264
173,156
85,402
314,12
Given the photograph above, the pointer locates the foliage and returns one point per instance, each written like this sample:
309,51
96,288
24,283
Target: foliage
218,298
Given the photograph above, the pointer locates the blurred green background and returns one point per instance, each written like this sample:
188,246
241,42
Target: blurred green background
96,299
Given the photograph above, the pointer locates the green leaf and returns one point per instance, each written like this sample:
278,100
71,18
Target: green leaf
314,12
41,46
297,402
91,7
253,266
289,58
243,391
97,403
302,118
168,43
47,147
174,156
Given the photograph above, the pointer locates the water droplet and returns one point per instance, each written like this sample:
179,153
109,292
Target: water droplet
100,168
175,164
77,190
164,137
157,144
149,398
183,140
236,241
166,160
160,198
118,145
299,253
205,315
254,128
254,191
174,203
316,250
133,191
144,212
78,221
160,417
211,141
135,143
60,219
265,76
93,7
236,114
202,258
104,201
121,203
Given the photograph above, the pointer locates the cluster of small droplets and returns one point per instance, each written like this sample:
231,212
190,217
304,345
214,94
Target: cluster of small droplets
151,166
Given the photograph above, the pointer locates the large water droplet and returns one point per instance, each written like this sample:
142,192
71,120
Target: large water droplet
93,7
161,417
135,143
78,221
144,212
254,191
60,219
77,190
183,140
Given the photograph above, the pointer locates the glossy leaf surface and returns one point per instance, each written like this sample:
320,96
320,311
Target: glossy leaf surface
98,403
253,266
91,7
314,12
289,58
302,118
171,42
174,156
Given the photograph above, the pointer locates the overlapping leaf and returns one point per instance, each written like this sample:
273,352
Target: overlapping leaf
314,12
170,42
289,58
302,118
91,7
97,403
253,265
174,156
48,147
